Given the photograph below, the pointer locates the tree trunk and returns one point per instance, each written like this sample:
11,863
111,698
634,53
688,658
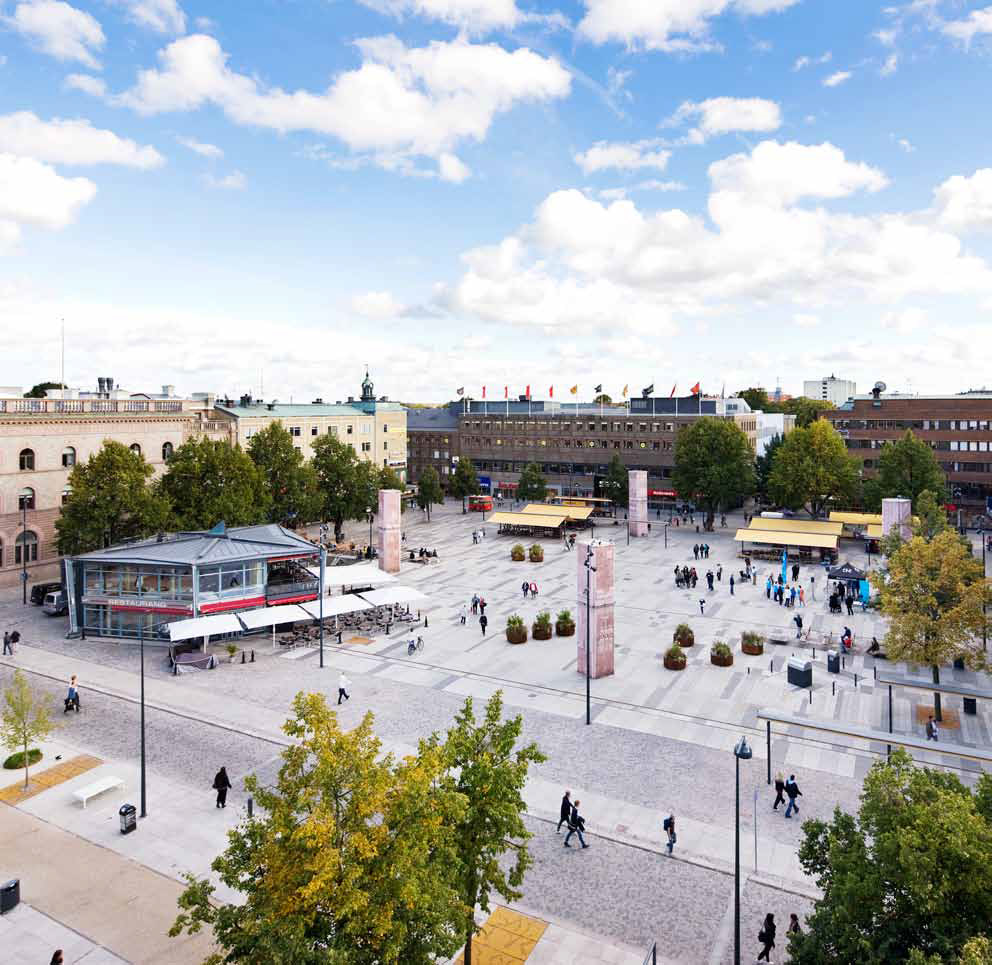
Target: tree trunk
936,696
338,528
463,506
27,764
470,931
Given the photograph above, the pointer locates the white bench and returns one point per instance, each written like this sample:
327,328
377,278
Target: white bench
83,794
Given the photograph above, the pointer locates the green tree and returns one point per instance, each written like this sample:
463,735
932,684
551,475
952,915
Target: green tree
714,465
25,719
906,468
389,478
464,482
110,500
349,858
344,489
489,771
912,871
757,399
532,487
602,399
806,411
208,481
429,491
763,466
615,484
41,389
291,482
812,468
933,596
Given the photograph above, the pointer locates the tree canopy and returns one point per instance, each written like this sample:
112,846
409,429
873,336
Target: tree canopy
344,490
464,482
41,389
532,487
714,465
812,468
602,399
429,491
292,482
805,410
763,466
908,877
109,500
24,720
906,468
615,484
209,481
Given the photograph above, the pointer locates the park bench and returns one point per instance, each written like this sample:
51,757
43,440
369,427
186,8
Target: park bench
107,783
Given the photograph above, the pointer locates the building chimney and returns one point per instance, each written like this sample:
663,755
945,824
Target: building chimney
168,391
100,385
110,384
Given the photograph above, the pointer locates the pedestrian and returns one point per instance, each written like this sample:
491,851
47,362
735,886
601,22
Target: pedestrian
462,615
483,622
932,733
798,621
768,588
533,589
767,937
7,648
482,605
669,827
795,572
72,697
850,605
57,958
576,825
779,791
812,588
695,551
792,597
731,584
709,579
719,572
525,586
221,785
792,790
702,603
707,551
343,684
565,813
15,639
802,596
475,603
794,928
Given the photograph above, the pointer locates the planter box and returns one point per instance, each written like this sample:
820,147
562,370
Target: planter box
721,661
517,559
753,649
684,644
517,636
674,664
565,630
539,634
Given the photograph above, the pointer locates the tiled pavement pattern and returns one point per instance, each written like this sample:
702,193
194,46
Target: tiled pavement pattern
42,780
506,938
28,937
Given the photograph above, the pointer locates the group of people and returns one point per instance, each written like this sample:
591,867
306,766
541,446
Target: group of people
686,576
9,639
787,789
570,817
528,587
785,594
701,551
478,535
842,597
766,936
423,554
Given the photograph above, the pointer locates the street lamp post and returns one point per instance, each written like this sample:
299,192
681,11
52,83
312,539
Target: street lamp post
320,588
24,549
742,752
141,637
371,519
590,569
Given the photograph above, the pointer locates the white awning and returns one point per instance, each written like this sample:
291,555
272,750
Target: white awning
358,574
394,594
204,627
336,605
269,616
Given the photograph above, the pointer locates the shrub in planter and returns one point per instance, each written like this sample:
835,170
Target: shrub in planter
16,761
516,629
753,644
684,636
721,655
517,553
674,658
231,649
542,626
564,624
536,553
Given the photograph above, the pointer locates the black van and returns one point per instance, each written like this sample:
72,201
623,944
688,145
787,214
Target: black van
40,590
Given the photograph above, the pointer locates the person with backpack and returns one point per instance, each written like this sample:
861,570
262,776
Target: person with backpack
767,937
668,826
792,790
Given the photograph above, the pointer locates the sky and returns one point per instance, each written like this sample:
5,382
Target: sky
265,197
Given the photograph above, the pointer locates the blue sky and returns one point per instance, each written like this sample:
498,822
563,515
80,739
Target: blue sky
495,192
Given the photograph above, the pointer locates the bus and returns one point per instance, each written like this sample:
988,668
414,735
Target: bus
599,505
480,504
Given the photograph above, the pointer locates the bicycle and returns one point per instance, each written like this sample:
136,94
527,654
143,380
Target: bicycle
413,646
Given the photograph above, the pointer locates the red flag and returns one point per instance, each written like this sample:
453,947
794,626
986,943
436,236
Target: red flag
551,392
674,387
506,392
695,389
528,392
483,392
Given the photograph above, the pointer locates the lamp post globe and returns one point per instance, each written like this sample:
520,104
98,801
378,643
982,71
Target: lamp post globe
742,752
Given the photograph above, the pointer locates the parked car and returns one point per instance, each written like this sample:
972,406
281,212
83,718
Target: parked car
40,590
55,603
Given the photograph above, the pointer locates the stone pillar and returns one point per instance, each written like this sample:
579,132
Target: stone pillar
601,598
388,526
637,502
897,513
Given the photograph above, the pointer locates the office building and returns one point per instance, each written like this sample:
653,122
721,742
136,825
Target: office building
761,427
831,389
432,440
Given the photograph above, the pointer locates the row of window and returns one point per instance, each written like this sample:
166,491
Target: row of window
561,468
26,457
664,445
539,425
25,550
921,425
940,445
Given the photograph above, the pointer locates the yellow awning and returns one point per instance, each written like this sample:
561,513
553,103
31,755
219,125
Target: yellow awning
569,512
773,538
855,519
797,526
544,520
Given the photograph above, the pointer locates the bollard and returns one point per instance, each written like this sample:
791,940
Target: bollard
842,664
250,807
855,680
876,672
425,621
811,696
814,653
771,665
243,656
833,688
252,657
749,671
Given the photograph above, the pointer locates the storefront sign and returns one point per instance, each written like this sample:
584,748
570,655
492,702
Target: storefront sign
139,605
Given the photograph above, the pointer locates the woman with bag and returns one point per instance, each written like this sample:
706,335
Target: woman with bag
767,937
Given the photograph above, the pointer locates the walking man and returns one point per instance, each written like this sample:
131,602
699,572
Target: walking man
565,815
812,588
483,622
343,684
222,785
669,827
695,551
795,572
462,615
731,584
576,825
779,791
7,648
719,572
709,579
768,588
798,621
850,604
932,732
525,586
702,612
792,791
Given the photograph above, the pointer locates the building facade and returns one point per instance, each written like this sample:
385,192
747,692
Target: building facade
42,439
432,439
957,427
831,389
761,427
375,428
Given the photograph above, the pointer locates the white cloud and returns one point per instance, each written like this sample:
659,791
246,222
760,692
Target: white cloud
804,61
87,83
669,25
722,115
235,181
837,78
906,145
805,320
652,184
34,193
965,203
905,320
977,22
71,142
58,29
162,16
632,156
201,148
376,305
474,15
450,168
616,81
400,103
890,66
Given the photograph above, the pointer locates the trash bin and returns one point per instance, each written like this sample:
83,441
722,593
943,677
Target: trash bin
10,895
129,818
800,672
833,661
970,705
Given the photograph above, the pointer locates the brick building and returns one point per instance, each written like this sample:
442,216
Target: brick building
957,427
432,435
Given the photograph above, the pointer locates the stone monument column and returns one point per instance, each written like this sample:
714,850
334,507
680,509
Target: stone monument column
388,528
600,615
897,513
637,502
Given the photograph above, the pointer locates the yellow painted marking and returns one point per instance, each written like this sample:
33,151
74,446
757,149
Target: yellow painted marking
507,938
14,794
